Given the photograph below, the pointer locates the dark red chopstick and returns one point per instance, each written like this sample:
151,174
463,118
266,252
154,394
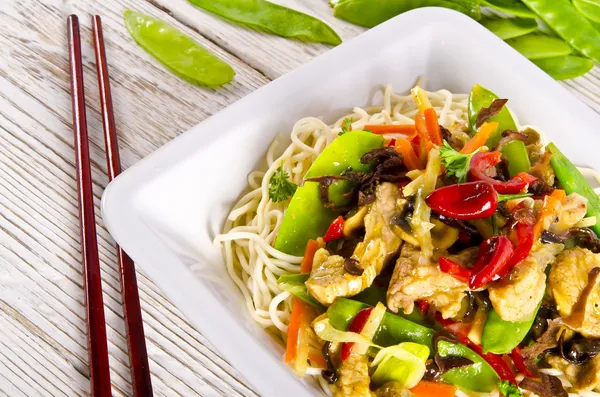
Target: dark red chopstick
138,356
96,338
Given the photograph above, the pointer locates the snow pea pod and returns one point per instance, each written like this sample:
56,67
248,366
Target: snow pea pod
272,18
588,8
568,23
306,217
501,336
573,181
178,52
538,46
508,28
294,284
515,154
514,7
370,13
480,98
479,377
563,68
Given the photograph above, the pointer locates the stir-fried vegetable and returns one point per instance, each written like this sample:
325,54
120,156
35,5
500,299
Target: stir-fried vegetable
433,389
483,161
500,336
516,156
294,284
481,98
182,55
420,221
478,377
403,363
306,217
474,200
456,164
480,138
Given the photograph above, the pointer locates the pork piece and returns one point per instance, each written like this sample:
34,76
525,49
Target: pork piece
412,281
568,279
584,376
573,211
516,296
393,389
354,377
330,279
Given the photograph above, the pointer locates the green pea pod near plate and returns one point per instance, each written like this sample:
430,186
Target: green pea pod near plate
501,336
568,23
508,28
369,13
564,68
306,217
479,377
588,8
480,98
272,18
538,46
178,52
513,7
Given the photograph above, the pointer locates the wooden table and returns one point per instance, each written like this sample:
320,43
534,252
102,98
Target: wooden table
42,324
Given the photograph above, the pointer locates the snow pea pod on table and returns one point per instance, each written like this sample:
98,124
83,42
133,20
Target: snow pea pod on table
589,8
538,46
567,67
272,18
178,52
513,7
508,28
568,23
370,13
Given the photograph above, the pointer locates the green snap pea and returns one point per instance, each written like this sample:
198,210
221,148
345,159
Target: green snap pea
370,13
538,46
393,329
479,377
564,68
178,52
508,28
573,181
272,18
568,23
480,98
501,336
295,285
588,8
513,7
515,154
306,217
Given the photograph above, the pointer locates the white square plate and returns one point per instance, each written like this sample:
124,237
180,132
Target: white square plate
166,210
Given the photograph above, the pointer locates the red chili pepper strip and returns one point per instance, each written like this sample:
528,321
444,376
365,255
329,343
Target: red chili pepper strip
336,230
356,326
519,362
465,201
525,237
482,161
492,264
454,269
423,306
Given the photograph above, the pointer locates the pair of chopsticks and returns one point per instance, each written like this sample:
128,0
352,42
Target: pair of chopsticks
96,325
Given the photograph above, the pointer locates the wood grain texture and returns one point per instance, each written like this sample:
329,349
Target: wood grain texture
42,338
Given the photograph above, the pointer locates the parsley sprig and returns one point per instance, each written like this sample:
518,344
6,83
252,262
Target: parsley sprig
508,389
457,164
280,186
346,126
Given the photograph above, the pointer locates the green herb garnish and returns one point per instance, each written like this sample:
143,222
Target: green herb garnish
346,126
280,187
508,389
457,164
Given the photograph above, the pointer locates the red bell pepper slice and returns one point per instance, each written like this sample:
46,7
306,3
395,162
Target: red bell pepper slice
423,306
495,254
525,237
482,161
519,362
454,269
336,230
357,325
465,201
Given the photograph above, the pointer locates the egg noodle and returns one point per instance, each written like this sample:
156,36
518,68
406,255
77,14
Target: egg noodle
251,227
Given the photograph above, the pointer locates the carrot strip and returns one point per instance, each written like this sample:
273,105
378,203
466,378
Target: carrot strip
433,127
311,247
298,313
480,137
405,148
433,389
407,129
424,142
318,359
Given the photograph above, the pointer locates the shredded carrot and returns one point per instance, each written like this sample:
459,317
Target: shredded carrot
299,310
424,142
405,148
318,359
550,208
433,389
309,253
433,127
480,137
406,129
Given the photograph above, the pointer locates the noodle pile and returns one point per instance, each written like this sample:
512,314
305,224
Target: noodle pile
251,227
